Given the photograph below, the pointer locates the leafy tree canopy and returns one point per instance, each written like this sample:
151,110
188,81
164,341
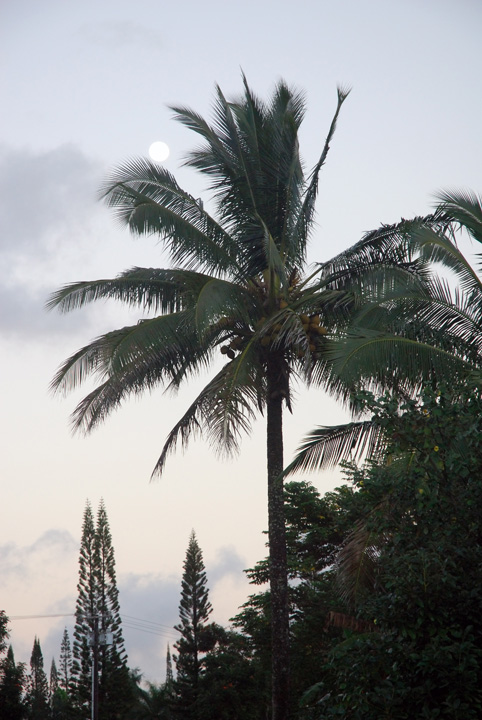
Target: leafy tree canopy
411,569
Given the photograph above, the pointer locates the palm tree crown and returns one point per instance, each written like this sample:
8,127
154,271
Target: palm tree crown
236,285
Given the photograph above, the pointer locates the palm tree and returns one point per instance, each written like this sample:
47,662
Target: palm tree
237,286
433,336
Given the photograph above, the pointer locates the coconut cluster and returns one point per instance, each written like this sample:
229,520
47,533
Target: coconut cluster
234,346
314,330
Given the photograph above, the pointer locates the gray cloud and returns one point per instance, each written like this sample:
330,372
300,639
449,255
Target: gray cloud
53,548
43,199
228,562
149,609
53,231
47,219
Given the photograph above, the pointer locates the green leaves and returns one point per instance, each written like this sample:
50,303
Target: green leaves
325,447
148,200
417,532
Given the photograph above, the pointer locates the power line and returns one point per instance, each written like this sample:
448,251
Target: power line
148,622
132,623
149,632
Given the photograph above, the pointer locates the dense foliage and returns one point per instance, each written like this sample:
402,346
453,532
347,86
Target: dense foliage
417,582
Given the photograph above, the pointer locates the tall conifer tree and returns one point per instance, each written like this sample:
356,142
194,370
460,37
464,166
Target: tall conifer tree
194,611
54,680
97,614
65,667
38,687
115,689
85,611
169,684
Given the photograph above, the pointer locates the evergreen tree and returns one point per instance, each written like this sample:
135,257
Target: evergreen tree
65,669
54,680
97,615
12,679
85,611
115,690
38,688
169,684
194,611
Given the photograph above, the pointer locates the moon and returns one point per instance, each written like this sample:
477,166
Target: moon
159,151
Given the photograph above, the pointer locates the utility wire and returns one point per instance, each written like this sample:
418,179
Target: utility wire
149,632
132,623
147,622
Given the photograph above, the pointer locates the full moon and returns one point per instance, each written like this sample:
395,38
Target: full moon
159,151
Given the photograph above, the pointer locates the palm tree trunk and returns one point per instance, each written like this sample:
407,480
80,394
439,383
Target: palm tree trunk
277,546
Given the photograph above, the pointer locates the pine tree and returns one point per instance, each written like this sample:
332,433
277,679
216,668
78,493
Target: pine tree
97,615
12,680
54,681
65,668
108,594
169,684
38,688
194,611
85,611
115,688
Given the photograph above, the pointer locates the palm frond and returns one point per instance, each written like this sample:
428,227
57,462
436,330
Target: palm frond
251,154
393,243
381,361
222,299
150,352
147,199
222,412
465,208
436,247
150,289
326,447
303,223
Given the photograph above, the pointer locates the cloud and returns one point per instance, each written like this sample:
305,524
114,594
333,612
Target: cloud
149,610
43,199
34,578
228,562
45,558
48,219
54,231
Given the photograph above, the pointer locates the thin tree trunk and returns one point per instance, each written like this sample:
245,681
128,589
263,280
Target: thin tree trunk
277,547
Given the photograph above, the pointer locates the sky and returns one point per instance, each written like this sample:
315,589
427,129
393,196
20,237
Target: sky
84,86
